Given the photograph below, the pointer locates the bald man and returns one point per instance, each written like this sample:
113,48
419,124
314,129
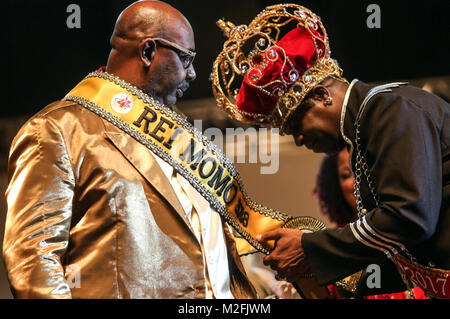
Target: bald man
93,211
142,55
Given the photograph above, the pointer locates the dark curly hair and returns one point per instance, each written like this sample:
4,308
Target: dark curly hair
328,189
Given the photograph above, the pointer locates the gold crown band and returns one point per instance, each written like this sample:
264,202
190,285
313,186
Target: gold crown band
292,99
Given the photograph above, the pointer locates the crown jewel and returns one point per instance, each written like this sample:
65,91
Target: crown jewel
267,68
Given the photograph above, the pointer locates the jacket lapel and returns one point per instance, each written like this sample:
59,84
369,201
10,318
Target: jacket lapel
141,158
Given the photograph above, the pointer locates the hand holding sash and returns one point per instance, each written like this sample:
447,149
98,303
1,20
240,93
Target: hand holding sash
293,263
287,257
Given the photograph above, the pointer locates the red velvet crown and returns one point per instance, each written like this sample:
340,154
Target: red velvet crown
298,48
278,73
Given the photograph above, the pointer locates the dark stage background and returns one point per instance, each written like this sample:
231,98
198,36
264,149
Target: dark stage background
42,59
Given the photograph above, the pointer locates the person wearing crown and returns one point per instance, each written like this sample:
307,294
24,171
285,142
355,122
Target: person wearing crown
398,137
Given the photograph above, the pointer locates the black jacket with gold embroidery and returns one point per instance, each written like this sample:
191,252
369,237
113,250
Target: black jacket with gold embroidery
405,139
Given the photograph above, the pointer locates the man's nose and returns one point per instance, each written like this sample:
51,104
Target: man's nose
190,73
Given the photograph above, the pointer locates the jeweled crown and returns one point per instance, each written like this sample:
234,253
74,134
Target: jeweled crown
267,68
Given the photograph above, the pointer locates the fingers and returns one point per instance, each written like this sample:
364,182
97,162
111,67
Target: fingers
278,277
272,259
284,275
286,234
287,258
287,275
272,235
269,261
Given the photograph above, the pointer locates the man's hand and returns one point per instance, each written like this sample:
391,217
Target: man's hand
287,258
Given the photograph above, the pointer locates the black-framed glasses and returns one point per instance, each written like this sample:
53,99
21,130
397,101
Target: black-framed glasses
186,56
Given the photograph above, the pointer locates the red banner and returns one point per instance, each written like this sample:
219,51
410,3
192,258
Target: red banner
434,282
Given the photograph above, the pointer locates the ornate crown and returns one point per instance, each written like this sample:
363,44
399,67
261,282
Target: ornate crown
267,68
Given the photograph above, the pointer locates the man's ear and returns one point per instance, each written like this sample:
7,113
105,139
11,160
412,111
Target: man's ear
147,51
320,93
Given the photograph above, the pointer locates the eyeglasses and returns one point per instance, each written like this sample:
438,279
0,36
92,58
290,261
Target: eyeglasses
186,56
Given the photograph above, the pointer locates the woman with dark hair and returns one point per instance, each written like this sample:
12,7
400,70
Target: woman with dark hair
334,189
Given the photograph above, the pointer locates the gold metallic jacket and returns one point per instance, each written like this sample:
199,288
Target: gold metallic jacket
91,215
